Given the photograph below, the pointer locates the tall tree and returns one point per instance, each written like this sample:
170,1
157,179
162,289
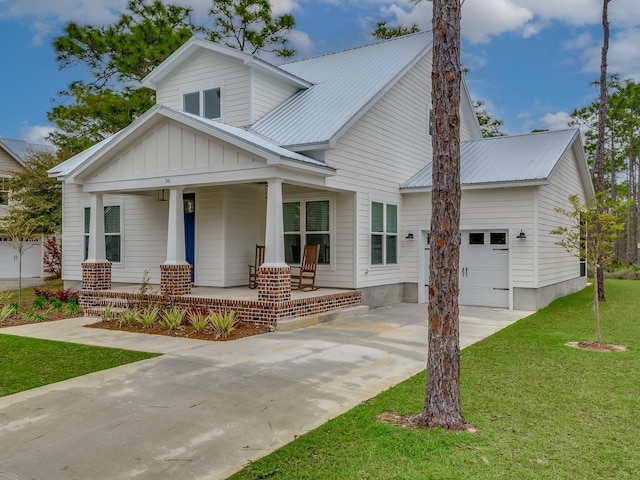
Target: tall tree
36,199
602,118
249,26
442,401
120,55
385,32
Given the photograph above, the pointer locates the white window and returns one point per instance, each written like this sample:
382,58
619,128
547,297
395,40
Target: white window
4,191
205,103
307,223
384,233
112,233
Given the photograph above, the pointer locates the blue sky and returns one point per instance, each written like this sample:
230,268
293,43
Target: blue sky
531,61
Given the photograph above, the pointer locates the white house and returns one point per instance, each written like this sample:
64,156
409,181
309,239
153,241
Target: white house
333,150
13,155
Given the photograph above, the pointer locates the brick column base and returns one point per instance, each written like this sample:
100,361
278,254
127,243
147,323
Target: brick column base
274,284
96,275
175,279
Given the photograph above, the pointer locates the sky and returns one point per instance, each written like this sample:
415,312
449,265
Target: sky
532,62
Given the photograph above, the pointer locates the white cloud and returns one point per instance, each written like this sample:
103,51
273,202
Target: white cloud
278,7
482,19
556,121
36,134
84,11
300,42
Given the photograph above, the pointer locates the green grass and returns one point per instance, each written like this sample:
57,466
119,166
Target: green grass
27,363
544,410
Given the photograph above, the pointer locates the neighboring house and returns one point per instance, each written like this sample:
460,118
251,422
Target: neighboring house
13,154
334,150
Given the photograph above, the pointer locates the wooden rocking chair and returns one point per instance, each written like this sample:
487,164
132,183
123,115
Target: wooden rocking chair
305,278
253,269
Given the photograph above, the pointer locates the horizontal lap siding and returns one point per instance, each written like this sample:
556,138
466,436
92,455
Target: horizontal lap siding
508,208
73,201
268,94
556,265
210,257
388,145
217,68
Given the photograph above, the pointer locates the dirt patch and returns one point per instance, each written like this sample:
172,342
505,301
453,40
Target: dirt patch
594,346
243,329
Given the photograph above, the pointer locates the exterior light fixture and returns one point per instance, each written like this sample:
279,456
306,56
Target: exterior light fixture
163,195
409,236
521,235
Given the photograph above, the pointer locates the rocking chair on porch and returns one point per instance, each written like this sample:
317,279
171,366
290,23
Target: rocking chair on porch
305,278
253,269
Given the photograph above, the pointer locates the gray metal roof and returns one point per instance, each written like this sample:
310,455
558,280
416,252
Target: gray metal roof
208,126
344,83
517,158
20,149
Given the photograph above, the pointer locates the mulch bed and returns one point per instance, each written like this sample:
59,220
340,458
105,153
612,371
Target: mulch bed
243,329
597,346
17,320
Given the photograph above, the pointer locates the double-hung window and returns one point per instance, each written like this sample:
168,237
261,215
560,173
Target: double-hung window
384,233
4,191
205,103
112,233
307,223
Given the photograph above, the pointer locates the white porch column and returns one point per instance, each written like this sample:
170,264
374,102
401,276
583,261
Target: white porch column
274,235
97,250
176,254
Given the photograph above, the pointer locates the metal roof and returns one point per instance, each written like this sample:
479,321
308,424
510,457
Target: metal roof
20,149
344,84
517,158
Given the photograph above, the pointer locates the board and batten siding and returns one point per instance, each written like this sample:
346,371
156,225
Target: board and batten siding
172,147
555,264
143,235
205,70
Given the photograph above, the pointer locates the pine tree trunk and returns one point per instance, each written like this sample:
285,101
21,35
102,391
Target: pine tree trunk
442,402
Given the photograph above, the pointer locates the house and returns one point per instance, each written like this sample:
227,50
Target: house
333,150
13,155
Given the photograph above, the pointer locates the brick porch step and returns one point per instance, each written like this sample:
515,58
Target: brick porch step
295,323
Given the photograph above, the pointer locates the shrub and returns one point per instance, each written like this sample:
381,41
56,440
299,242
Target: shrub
128,316
72,306
223,323
147,316
63,295
52,258
171,318
198,320
39,302
6,312
107,315
34,316
56,305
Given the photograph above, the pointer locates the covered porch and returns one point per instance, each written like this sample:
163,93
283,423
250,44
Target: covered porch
247,303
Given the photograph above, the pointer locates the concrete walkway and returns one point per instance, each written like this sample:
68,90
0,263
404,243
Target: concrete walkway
205,409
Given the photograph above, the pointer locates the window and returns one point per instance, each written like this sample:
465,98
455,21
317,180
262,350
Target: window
384,233
205,103
4,191
476,238
306,223
112,234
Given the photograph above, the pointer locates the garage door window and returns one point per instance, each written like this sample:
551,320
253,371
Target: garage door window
498,238
476,238
112,234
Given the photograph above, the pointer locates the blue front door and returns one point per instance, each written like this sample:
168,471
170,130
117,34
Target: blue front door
189,202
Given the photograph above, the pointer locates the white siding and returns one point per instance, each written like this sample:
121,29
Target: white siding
268,94
171,147
499,209
208,69
555,264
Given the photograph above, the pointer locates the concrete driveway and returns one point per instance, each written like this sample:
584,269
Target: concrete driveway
204,409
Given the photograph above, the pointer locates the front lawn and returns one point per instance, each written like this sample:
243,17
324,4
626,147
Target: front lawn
28,362
544,410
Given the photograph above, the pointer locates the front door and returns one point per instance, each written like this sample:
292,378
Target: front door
189,202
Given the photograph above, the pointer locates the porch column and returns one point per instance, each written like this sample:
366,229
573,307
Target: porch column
175,272
96,269
274,275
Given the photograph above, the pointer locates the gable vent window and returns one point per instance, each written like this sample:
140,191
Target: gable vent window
205,103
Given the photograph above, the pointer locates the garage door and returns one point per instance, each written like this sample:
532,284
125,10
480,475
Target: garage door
31,260
484,268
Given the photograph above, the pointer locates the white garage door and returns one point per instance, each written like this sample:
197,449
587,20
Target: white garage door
484,268
31,260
